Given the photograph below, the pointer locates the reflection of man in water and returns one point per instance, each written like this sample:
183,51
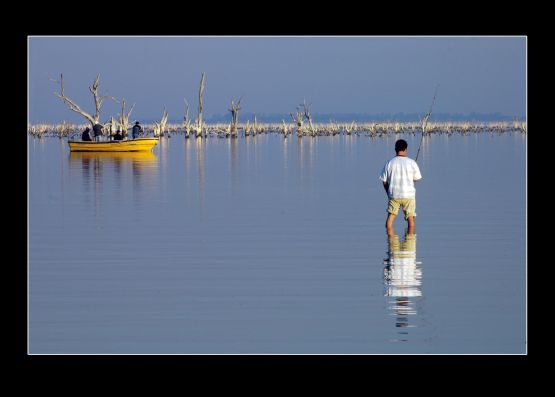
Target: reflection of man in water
402,310
402,277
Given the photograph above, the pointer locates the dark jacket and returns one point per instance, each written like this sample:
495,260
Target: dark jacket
86,136
136,130
97,128
118,137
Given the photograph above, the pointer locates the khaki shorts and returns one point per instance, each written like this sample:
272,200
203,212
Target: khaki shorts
407,204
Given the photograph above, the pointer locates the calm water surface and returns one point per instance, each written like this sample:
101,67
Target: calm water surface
265,245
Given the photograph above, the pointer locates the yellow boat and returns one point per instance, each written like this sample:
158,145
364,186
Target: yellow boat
133,145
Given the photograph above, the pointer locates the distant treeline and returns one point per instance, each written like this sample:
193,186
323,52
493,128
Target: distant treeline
358,117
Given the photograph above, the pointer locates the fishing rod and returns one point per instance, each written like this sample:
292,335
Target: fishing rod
425,122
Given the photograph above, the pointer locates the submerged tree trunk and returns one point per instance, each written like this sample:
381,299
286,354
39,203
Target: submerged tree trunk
186,121
308,116
234,117
424,123
350,129
334,128
111,127
163,122
247,128
198,132
298,120
284,128
160,127
63,129
124,118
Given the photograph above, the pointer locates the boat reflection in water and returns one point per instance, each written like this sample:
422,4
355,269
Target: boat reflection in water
103,172
119,161
402,280
144,156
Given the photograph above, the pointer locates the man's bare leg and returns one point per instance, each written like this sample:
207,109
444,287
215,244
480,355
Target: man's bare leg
411,224
389,222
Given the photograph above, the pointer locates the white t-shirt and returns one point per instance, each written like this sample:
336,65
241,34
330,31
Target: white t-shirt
401,172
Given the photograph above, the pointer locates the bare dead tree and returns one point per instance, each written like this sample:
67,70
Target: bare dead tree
247,128
160,127
235,107
334,128
124,118
98,100
198,132
37,131
298,120
350,128
110,127
186,121
284,128
308,116
424,122
163,123
254,126
63,129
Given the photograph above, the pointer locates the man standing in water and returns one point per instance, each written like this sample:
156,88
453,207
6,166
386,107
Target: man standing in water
398,177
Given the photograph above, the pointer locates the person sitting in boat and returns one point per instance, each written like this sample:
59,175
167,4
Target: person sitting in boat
137,130
86,136
97,129
118,136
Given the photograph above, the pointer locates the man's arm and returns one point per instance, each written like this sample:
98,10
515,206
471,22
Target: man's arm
386,187
416,175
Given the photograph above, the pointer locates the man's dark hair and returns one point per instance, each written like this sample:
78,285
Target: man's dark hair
401,145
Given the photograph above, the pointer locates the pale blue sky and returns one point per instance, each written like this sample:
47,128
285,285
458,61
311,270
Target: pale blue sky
274,74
